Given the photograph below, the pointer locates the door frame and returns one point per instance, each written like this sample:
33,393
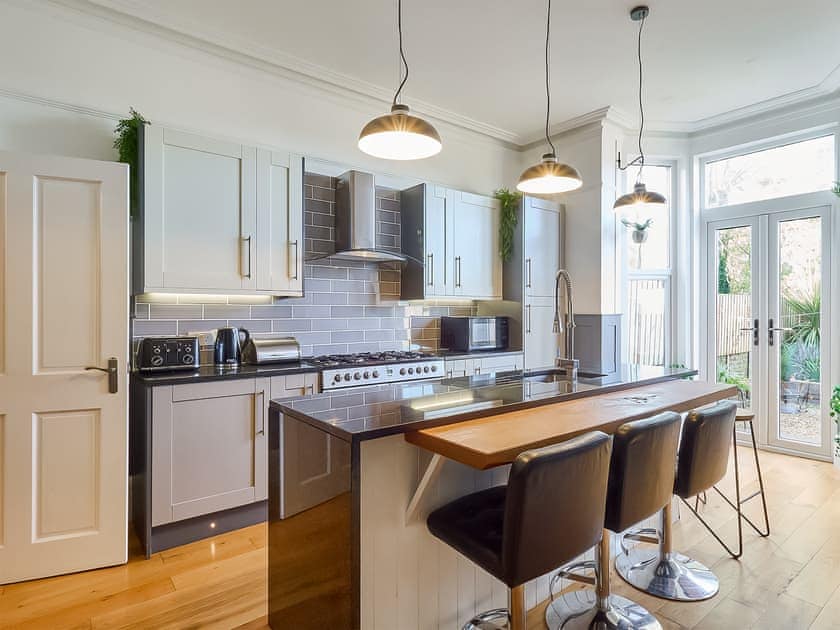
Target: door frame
759,214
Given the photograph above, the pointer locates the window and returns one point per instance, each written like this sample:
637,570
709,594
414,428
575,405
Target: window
791,169
649,269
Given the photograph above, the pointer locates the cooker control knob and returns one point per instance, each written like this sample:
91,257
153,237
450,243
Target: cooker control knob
357,376
434,368
347,376
411,370
426,369
157,360
367,374
402,371
376,374
188,359
337,378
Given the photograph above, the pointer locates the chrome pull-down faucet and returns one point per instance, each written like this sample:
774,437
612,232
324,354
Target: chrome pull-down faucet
568,363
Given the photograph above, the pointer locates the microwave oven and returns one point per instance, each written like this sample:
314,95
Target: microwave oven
471,334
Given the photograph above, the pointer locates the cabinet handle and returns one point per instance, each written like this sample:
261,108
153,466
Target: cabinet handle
458,271
295,266
248,240
528,319
431,258
528,273
260,408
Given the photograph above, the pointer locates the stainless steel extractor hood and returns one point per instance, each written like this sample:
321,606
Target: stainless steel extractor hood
355,220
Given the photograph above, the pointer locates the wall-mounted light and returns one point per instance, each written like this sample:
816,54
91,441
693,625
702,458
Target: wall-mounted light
641,199
399,135
549,176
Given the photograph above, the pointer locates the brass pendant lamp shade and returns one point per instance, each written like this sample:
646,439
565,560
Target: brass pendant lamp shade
641,199
549,176
399,135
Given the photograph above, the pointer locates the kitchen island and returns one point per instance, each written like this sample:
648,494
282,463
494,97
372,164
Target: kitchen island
352,476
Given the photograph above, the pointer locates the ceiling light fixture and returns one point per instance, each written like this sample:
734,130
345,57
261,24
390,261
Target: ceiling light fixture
641,198
549,176
399,135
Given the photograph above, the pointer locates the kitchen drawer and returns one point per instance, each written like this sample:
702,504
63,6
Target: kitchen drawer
295,385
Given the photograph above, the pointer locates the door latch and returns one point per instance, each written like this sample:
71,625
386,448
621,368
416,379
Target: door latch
111,371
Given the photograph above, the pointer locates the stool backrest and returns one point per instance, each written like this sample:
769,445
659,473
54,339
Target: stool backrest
554,509
704,449
641,469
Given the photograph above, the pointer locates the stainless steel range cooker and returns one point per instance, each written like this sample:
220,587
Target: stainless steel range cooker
372,368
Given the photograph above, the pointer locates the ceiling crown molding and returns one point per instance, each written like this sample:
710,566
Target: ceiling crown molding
136,16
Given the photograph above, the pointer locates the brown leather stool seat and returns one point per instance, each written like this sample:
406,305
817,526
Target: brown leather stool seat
550,512
701,463
640,485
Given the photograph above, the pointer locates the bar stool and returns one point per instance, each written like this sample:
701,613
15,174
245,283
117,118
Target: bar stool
640,485
701,463
746,416
524,530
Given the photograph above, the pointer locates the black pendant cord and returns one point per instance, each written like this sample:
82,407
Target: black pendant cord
640,160
402,53
547,81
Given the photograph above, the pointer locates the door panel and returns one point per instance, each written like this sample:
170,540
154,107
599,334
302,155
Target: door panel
437,278
477,267
68,228
3,240
63,487
541,343
66,454
543,246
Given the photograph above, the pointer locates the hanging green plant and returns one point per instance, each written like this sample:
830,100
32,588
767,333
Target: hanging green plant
510,203
127,145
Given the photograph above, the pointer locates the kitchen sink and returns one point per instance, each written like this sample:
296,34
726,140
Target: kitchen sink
555,376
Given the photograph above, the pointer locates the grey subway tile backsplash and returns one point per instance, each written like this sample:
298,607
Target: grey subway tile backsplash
349,306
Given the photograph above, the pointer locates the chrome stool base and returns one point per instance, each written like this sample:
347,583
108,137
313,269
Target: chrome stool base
496,619
674,576
578,610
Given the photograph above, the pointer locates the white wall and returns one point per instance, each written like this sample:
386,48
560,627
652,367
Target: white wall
60,55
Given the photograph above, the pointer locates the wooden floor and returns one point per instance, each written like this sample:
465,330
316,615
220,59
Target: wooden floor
789,581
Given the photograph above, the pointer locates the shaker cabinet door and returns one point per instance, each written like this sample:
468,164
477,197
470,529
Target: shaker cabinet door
541,343
438,281
477,267
543,246
199,219
209,448
279,245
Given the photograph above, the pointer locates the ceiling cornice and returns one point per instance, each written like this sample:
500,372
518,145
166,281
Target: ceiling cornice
134,14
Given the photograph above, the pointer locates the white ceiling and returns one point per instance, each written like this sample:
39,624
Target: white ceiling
482,59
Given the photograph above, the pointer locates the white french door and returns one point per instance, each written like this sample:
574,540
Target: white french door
63,310
768,301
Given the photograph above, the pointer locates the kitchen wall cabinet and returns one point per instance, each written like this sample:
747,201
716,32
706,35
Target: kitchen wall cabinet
217,217
473,239
451,240
209,449
542,229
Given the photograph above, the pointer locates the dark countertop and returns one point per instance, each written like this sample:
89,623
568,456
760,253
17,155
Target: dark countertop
380,410
208,373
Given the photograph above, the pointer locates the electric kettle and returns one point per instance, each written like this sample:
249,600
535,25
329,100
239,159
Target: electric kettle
229,343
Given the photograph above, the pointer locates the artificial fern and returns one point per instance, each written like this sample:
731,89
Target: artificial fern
510,202
127,145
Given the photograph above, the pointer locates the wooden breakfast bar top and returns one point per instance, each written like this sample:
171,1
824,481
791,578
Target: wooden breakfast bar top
496,440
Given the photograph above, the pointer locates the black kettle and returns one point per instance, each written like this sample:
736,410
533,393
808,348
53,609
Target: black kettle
229,343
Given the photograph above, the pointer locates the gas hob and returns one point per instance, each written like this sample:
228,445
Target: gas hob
372,368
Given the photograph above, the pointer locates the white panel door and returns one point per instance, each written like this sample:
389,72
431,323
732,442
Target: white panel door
543,245
477,267
200,212
541,344
63,434
279,222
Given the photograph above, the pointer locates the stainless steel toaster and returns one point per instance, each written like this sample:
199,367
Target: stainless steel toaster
271,349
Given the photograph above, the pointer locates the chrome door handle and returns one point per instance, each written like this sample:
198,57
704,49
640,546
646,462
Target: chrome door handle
528,320
528,273
111,371
431,258
260,409
297,253
458,271
771,329
248,240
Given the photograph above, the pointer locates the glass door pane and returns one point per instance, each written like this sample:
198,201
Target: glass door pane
732,279
798,343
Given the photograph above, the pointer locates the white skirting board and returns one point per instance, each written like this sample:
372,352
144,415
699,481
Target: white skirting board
409,579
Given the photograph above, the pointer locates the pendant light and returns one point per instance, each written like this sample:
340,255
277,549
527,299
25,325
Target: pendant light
549,176
399,135
641,198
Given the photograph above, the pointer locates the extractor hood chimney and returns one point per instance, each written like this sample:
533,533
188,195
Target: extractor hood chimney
355,220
